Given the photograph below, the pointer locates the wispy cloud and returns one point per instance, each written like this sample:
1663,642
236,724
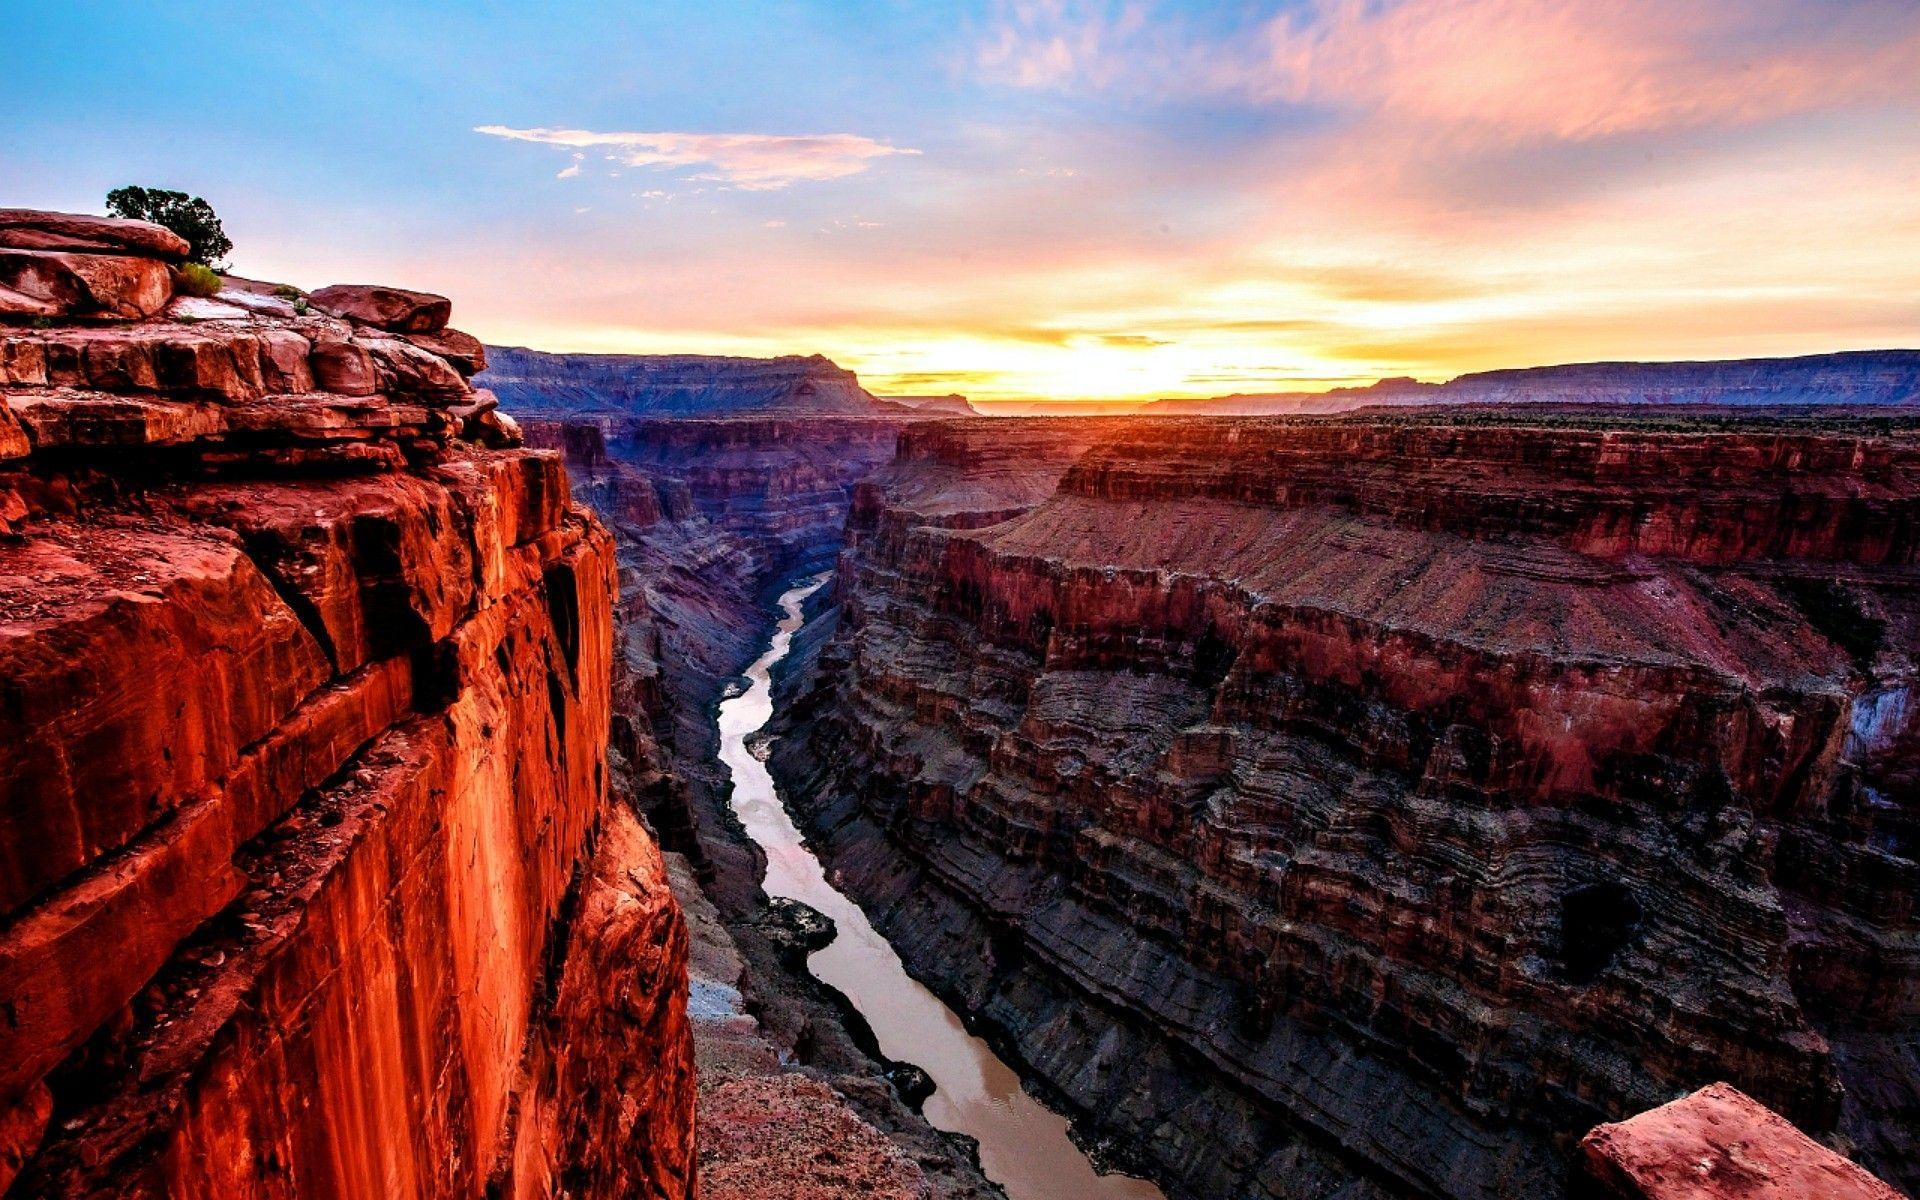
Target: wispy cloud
1482,69
1580,69
749,161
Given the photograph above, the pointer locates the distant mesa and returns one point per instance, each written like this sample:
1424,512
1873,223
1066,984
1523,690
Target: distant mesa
952,402
537,383
1865,377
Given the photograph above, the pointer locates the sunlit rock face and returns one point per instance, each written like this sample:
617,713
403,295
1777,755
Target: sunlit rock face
1380,804
314,873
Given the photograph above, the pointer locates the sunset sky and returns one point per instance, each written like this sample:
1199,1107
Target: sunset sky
1032,200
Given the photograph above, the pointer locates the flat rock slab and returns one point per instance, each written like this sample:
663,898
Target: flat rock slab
29,229
1720,1144
393,309
65,283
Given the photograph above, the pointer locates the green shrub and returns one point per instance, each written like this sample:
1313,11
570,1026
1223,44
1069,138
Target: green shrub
195,280
286,291
300,306
189,216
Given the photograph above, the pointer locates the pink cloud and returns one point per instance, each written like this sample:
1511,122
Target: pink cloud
1580,69
1049,43
1487,70
751,161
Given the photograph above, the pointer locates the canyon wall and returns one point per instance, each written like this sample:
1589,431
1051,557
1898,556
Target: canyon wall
781,484
1372,807
674,385
1853,378
317,878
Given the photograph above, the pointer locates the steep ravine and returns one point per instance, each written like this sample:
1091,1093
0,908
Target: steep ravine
1023,1146
1359,808
701,564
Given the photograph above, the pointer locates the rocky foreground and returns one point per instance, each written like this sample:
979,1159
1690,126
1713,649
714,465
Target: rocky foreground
1370,807
317,878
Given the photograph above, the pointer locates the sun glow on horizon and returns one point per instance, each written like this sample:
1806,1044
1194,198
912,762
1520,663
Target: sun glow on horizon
1102,200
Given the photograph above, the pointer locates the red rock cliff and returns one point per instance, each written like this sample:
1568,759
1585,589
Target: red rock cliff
314,873
1379,804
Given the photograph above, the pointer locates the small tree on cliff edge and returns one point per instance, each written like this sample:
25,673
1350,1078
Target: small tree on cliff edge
189,216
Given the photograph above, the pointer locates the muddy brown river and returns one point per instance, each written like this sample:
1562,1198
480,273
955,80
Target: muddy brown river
1024,1145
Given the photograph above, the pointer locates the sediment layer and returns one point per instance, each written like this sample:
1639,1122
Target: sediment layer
1380,805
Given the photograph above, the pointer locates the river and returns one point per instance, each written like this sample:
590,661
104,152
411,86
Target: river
1024,1145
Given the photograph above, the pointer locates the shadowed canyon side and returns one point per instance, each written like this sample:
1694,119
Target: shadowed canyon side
317,877
677,385
1371,807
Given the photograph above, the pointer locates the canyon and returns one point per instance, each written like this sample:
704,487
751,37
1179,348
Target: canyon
1411,803
1371,806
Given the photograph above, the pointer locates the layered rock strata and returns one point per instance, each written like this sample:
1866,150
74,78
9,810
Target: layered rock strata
676,385
1372,808
313,873
780,484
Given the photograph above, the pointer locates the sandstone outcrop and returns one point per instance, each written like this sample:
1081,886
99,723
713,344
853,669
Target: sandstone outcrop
395,310
1374,806
314,874
64,265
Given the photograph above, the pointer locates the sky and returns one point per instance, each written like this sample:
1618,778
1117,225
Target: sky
1031,199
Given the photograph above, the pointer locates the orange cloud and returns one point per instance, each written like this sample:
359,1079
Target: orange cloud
751,161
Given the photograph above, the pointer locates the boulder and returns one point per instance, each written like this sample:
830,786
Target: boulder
1720,1144
407,372
393,309
463,350
60,283
27,229
343,366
